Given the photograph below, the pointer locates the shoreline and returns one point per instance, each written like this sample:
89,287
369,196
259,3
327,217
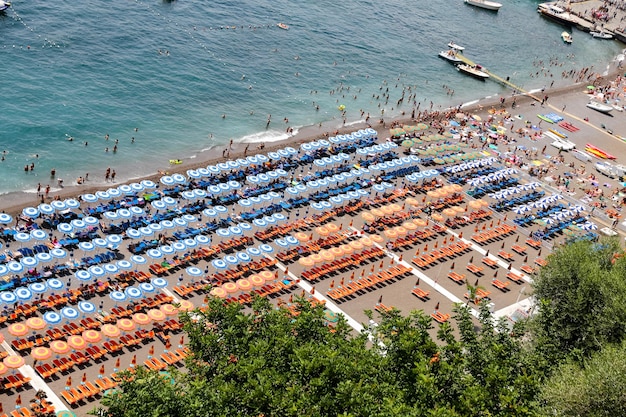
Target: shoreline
21,199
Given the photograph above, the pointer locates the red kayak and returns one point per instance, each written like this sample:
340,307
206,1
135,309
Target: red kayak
599,152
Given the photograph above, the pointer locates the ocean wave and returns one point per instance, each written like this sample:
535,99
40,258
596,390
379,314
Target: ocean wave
267,136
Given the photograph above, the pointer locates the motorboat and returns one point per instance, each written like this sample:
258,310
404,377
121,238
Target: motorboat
4,5
283,26
557,14
601,35
475,71
450,56
453,45
485,4
602,108
566,36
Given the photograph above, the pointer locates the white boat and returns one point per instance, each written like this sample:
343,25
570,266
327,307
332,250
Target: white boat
485,4
567,38
455,46
602,108
450,56
559,142
474,71
4,5
601,35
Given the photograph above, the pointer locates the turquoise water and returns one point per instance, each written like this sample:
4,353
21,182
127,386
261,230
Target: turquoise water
80,70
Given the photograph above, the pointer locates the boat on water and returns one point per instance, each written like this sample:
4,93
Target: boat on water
567,38
485,4
475,71
453,45
602,108
283,26
601,35
4,5
450,56
557,14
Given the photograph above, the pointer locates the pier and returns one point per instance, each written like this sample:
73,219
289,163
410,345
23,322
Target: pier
504,81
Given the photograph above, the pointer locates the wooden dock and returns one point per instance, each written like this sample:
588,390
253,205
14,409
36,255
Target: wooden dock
492,76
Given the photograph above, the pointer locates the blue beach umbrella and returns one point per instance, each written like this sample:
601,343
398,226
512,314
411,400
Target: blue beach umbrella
96,271
202,239
148,184
223,232
166,250
22,237
159,282
158,205
214,189
29,261
169,201
100,243
5,218
243,257
55,284
91,221
114,192
219,264
245,226
187,243
69,313
253,252
8,297
52,318
38,234
180,246
138,211
213,169
124,264
30,212
89,198
117,296
146,231
78,224
138,259
155,227
180,222
15,267
266,248
235,230
167,180
194,271
86,246
133,292
192,173
124,213
72,203
111,215
147,288
281,242
58,253
188,195
23,294
45,208
114,239
58,205
86,307
259,223
125,189
3,270
111,268
83,275
43,257
137,187
198,193
102,195
133,233
154,253
231,259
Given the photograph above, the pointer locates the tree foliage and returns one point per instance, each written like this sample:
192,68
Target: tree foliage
581,294
270,362
595,388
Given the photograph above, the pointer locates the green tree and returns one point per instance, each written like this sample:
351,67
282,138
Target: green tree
581,295
597,388
288,362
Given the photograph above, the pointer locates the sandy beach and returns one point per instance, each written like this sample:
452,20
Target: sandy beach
424,244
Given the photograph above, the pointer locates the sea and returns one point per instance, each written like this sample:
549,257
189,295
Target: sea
169,80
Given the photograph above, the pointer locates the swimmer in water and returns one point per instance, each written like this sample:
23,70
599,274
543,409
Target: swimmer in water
70,139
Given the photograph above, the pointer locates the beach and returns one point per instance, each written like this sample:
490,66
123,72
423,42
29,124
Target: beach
459,204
